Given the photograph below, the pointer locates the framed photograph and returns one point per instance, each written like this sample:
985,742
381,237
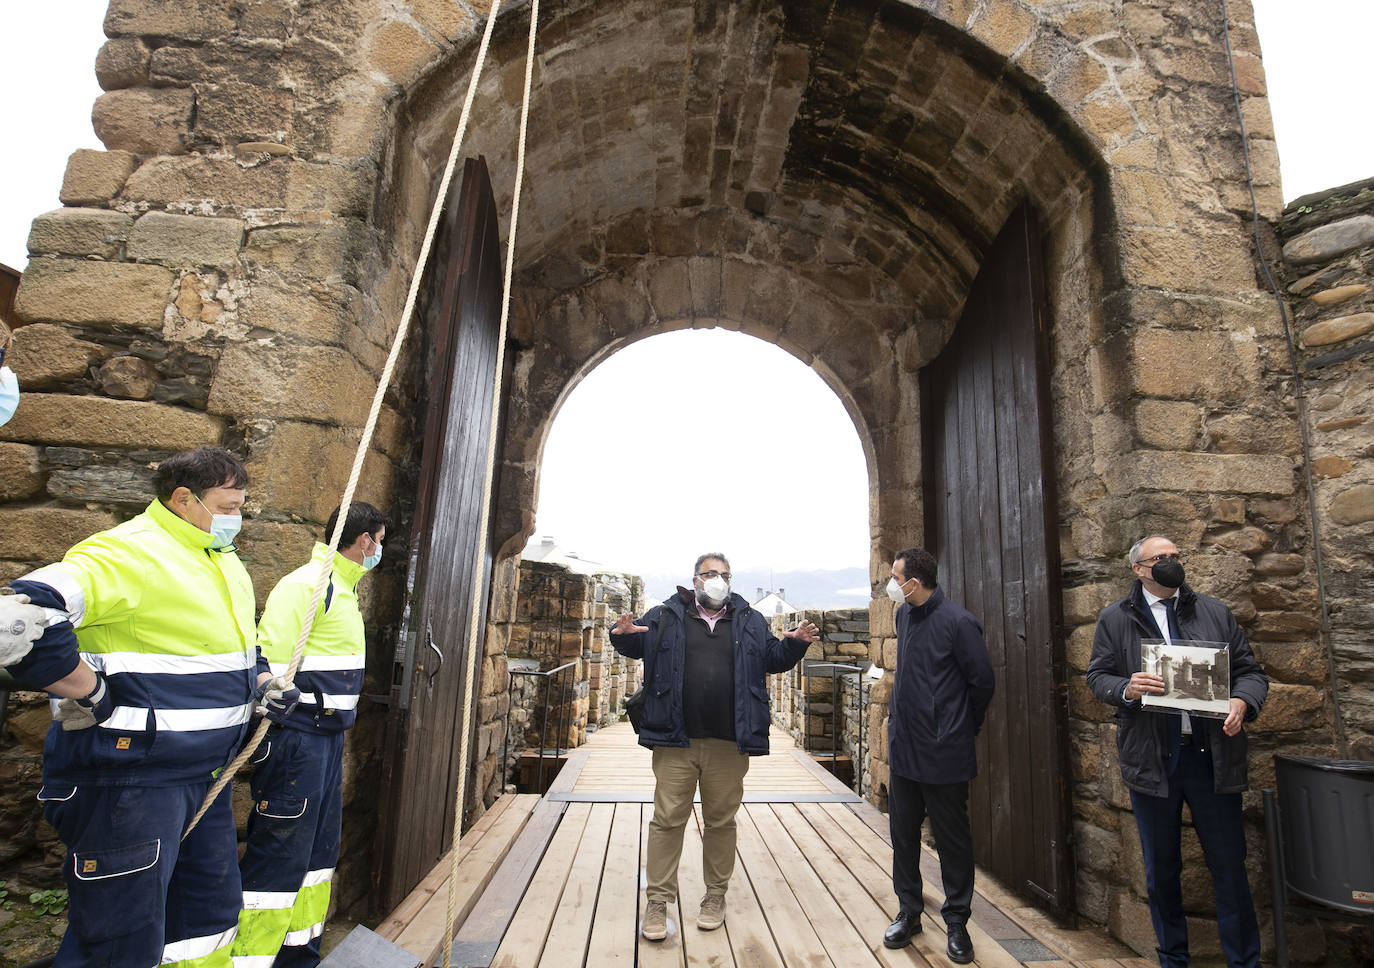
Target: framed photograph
1197,675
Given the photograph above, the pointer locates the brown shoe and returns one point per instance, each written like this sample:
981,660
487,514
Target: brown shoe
712,913
655,924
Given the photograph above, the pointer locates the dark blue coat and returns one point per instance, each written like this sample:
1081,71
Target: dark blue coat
1141,734
943,685
757,653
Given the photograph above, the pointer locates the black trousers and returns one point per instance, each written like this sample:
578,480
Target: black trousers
908,803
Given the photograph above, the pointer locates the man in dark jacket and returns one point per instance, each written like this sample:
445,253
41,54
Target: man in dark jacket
1168,759
705,654
943,685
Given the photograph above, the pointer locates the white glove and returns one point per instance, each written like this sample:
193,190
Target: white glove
21,625
92,710
276,699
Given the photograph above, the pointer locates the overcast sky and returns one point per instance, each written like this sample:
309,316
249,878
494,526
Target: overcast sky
615,485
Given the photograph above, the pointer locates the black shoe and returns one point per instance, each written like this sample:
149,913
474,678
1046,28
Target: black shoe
901,932
960,947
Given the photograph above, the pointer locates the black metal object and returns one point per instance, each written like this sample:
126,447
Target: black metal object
547,675
1320,819
834,670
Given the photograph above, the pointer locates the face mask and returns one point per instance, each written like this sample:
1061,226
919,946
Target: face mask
1168,573
223,527
894,591
9,394
714,592
370,561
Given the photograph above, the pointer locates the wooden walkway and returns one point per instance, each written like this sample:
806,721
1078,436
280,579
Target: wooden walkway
558,882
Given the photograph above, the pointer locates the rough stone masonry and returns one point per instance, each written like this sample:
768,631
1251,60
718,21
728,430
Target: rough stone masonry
823,175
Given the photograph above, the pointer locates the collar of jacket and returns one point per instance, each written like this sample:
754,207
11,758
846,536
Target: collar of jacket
182,530
921,612
685,596
349,572
1135,601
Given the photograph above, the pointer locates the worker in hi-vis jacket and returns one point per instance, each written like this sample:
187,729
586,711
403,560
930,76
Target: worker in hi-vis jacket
147,646
293,829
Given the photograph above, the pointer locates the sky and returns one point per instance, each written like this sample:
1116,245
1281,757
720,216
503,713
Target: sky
799,498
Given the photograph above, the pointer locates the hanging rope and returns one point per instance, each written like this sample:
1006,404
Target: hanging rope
479,555
371,425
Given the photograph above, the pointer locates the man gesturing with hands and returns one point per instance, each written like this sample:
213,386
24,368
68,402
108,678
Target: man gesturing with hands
706,711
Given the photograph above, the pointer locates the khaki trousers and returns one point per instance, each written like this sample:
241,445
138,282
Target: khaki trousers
718,767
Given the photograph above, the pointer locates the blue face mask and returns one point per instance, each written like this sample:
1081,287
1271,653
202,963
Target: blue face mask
224,528
370,561
9,394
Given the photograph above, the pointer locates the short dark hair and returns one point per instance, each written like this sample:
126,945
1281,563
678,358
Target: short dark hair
199,470
707,557
919,564
362,518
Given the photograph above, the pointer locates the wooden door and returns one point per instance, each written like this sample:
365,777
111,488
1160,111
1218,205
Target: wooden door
990,522
462,315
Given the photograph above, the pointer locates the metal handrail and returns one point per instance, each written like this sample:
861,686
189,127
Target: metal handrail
547,675
833,669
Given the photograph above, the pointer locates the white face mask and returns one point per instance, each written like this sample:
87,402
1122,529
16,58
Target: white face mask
894,591
224,527
714,591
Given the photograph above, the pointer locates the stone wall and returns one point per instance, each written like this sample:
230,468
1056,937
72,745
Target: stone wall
563,616
805,705
821,175
1328,269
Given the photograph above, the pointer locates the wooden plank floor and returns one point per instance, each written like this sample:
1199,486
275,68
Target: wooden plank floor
812,883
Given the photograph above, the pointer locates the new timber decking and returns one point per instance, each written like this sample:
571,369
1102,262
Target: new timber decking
558,883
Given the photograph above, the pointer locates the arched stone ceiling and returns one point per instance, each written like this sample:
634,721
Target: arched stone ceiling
869,127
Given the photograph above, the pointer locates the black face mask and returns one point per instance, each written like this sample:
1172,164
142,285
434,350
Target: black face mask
1168,573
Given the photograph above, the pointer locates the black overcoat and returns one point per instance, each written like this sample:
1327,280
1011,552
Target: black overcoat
943,685
1141,734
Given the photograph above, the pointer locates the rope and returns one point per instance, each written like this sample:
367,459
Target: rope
479,555
371,425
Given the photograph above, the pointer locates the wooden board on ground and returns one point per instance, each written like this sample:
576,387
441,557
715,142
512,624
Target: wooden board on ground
486,925
428,930
571,927
797,939
523,948
987,952
614,936
404,913
868,920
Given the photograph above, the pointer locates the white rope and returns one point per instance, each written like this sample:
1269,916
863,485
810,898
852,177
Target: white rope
479,553
370,426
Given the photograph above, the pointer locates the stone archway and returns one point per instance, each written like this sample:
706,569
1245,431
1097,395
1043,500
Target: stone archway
252,229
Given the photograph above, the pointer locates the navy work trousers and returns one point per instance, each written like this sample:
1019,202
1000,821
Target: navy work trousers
137,893
293,845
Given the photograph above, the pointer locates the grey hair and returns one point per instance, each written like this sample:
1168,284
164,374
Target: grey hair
707,557
1133,557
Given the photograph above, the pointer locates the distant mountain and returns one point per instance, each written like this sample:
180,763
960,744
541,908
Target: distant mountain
834,588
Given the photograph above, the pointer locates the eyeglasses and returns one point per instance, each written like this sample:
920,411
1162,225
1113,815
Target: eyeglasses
1156,559
714,574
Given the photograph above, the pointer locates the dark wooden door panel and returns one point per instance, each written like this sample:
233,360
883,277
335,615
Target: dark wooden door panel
990,523
461,312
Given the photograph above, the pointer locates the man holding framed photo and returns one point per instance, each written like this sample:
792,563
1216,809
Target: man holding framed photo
1169,758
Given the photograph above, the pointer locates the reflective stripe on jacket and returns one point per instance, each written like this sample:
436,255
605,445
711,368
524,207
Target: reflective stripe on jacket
169,621
331,674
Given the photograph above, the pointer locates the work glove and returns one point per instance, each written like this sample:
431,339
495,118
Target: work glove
94,709
276,699
21,625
